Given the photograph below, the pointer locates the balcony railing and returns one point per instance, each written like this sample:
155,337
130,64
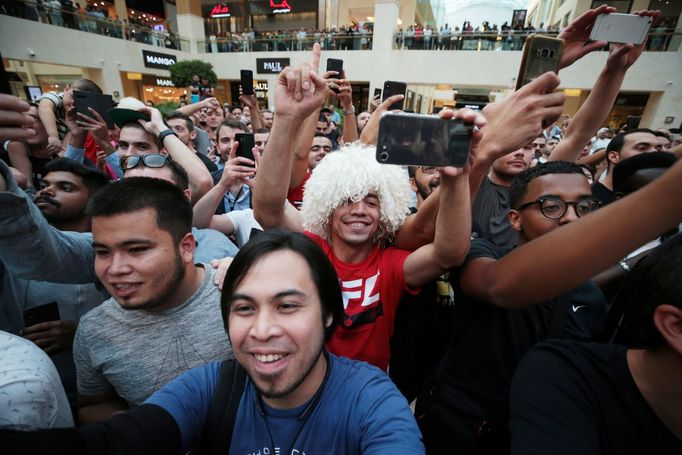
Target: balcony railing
238,43
502,41
72,19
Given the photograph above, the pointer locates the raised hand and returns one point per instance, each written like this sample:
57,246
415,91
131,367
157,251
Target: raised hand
300,91
14,122
370,133
623,56
577,34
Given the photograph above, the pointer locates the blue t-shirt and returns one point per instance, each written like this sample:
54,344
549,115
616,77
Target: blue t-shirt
359,411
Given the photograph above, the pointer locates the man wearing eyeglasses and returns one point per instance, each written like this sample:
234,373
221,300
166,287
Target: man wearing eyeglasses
493,328
424,180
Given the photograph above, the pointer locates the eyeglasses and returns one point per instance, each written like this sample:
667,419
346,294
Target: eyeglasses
153,160
429,169
554,208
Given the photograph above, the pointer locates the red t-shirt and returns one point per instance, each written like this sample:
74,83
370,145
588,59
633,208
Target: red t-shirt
371,292
295,195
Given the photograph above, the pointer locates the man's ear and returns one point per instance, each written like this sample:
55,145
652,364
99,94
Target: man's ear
668,322
188,194
515,220
328,321
187,246
193,135
613,157
413,184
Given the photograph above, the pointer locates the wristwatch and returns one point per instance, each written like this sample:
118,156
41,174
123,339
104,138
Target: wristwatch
165,133
350,111
624,265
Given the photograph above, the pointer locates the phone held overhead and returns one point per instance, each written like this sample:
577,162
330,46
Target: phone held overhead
423,140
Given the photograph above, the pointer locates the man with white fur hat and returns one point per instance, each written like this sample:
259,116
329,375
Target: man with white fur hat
352,207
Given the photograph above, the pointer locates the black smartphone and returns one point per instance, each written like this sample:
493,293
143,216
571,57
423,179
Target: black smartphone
246,145
540,55
335,64
42,313
247,82
394,88
423,140
377,92
99,102
4,80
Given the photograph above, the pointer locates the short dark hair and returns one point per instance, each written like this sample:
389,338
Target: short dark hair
618,140
173,210
177,114
322,271
262,131
230,123
625,169
519,186
92,178
236,106
662,134
654,281
86,85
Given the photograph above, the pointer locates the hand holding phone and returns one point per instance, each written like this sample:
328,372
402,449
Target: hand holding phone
394,88
42,313
246,144
540,55
101,103
621,28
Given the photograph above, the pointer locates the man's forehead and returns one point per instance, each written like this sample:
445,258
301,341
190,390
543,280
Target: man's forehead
176,122
322,141
62,176
636,138
261,136
132,133
566,186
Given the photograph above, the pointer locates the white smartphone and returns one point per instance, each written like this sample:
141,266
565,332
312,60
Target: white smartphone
621,28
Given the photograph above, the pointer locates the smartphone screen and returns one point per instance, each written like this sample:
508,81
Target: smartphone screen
394,88
540,55
99,102
423,140
246,144
42,313
4,80
247,82
377,92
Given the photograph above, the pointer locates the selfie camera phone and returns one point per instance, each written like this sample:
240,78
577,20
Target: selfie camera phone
394,88
99,102
42,313
621,28
540,55
246,145
423,140
247,82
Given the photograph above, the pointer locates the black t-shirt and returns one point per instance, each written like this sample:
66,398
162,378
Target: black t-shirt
490,212
599,191
487,344
580,398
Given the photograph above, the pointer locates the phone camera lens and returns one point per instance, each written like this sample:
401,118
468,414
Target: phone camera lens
384,156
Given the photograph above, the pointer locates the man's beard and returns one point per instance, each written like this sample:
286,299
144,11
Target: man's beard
178,274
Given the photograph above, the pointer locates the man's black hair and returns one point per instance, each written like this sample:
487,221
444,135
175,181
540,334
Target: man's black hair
618,140
173,210
654,281
323,118
230,123
519,186
625,169
321,270
92,178
318,134
177,114
86,85
261,131
662,134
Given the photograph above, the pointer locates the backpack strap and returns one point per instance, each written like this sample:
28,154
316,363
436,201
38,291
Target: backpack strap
222,413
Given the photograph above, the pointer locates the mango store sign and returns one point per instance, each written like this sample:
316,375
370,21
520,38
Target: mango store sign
163,82
279,7
158,60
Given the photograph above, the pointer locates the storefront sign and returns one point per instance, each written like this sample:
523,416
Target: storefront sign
164,82
220,10
158,60
271,65
261,90
280,6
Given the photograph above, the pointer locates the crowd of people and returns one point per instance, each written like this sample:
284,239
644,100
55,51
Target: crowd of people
179,295
91,18
347,37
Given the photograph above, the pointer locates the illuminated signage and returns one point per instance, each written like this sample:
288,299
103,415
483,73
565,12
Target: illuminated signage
280,6
220,10
158,60
271,65
164,82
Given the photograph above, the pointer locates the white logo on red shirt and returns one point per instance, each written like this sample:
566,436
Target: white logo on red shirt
360,289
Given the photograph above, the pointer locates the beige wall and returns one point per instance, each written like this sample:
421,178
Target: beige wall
406,15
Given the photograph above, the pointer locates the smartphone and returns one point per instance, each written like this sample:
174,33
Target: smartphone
99,102
247,82
246,144
377,92
4,79
335,64
423,140
540,54
621,28
42,313
394,88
